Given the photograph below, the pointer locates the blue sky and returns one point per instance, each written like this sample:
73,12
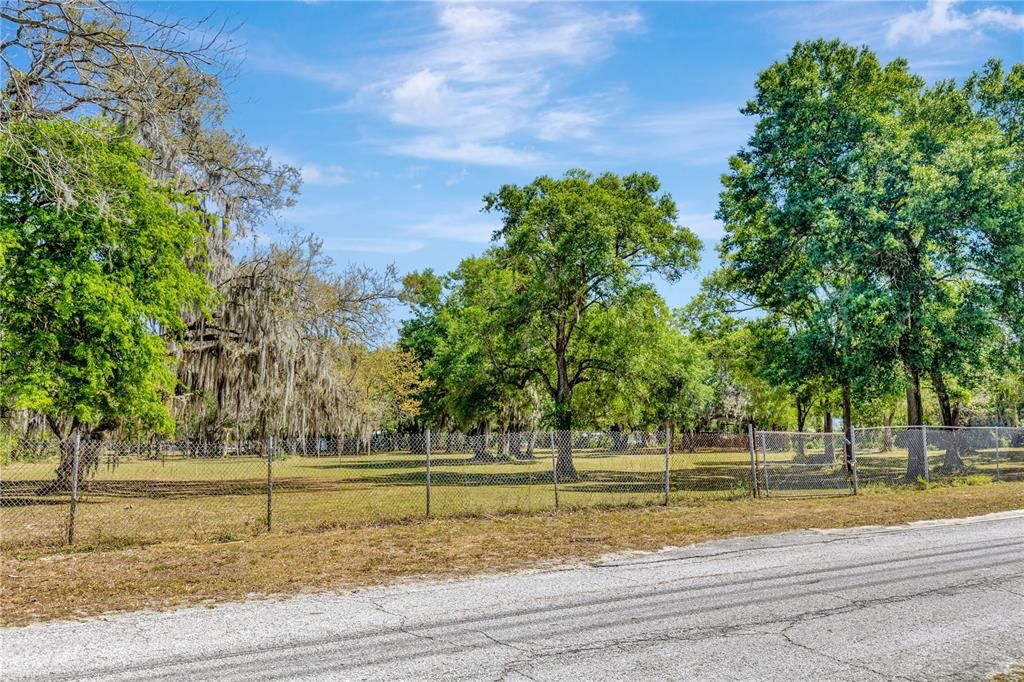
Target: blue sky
403,115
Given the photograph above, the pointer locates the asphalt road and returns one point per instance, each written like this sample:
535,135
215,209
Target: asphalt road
925,601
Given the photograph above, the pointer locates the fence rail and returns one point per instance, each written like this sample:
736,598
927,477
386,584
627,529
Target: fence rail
128,491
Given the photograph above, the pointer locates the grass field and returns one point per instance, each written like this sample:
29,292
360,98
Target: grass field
131,500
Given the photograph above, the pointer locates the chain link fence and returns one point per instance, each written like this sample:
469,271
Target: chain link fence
118,492
801,463
888,455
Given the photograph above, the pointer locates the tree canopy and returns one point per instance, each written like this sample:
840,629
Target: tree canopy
879,215
88,296
563,298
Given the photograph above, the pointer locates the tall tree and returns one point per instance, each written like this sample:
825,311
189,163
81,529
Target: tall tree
575,245
88,296
453,332
873,206
159,80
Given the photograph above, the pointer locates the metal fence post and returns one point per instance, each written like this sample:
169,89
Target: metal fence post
554,467
73,509
428,470
764,465
270,483
668,453
924,452
997,453
853,458
754,489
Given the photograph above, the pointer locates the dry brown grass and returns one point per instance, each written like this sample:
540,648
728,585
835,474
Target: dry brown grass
174,574
1015,673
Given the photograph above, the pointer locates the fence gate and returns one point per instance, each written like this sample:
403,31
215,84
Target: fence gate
792,463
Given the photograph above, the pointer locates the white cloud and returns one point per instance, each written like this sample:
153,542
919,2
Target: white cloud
467,227
372,245
568,124
442,149
457,178
328,176
692,135
938,39
704,225
488,75
942,19
260,55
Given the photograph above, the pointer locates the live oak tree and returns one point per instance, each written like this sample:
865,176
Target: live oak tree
291,349
289,340
89,296
652,372
575,246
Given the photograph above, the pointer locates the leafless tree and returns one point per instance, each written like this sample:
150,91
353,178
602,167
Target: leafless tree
160,78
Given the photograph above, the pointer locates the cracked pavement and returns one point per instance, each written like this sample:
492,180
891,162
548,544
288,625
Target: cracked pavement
934,600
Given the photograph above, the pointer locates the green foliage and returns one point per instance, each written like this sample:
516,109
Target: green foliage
562,301
577,248
660,375
741,390
90,295
877,221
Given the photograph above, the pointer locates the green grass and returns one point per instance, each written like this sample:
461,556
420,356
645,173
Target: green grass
133,500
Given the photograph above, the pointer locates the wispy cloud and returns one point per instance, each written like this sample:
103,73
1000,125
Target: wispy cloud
326,175
700,134
485,81
372,245
934,37
441,148
941,19
568,124
691,135
263,57
467,226
457,178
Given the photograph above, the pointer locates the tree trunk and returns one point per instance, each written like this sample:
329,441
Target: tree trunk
952,460
620,439
531,438
887,441
480,453
88,459
917,452
563,438
830,447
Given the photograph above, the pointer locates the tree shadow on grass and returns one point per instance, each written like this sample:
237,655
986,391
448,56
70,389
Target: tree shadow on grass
420,463
26,492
